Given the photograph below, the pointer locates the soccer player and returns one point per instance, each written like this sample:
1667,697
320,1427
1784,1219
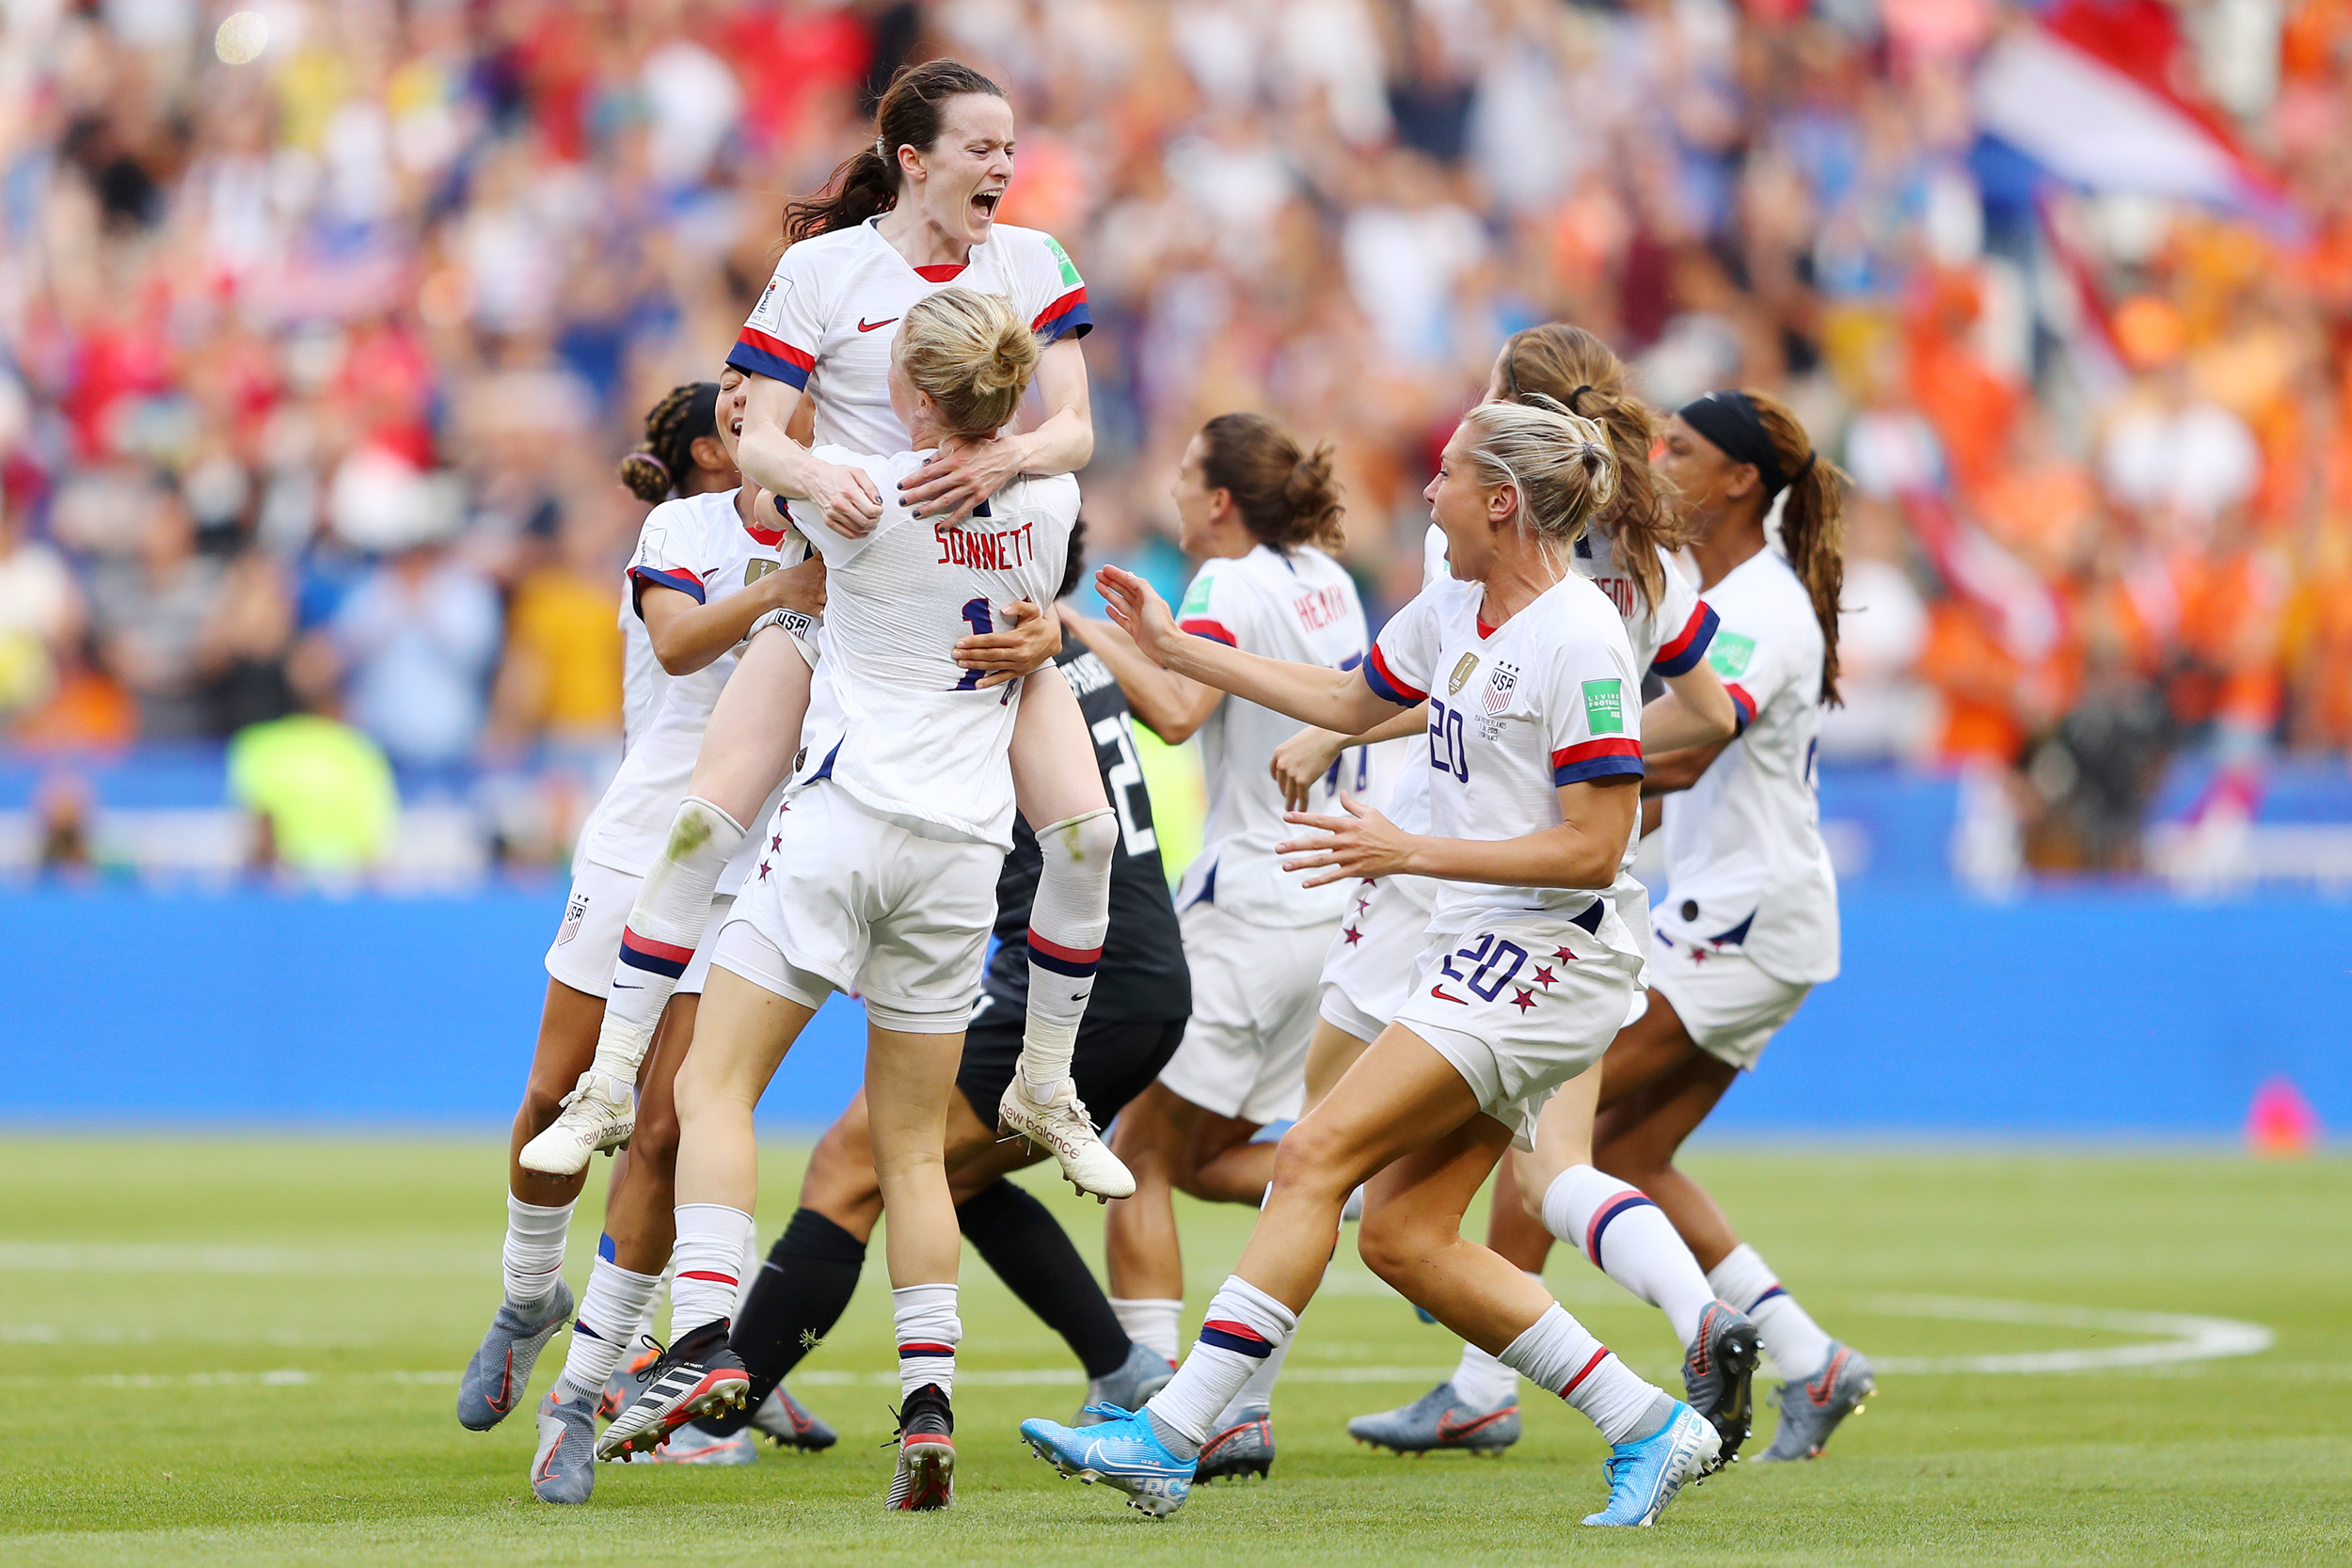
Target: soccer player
1130,1032
1529,971
900,220
692,593
877,873
1263,518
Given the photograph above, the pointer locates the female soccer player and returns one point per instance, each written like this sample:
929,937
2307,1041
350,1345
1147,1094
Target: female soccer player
699,579
899,221
878,875
1528,974
1262,517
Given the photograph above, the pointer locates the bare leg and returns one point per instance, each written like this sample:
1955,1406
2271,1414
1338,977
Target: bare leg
1329,1054
741,1034
568,1020
1412,1236
1054,776
910,1080
1139,1239
1222,1166
1636,1140
755,730
842,1186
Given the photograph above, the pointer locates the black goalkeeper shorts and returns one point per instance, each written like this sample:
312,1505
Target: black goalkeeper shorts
1116,1059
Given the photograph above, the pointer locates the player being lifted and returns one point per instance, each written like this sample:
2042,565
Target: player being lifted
1262,517
900,220
703,573
877,873
1529,971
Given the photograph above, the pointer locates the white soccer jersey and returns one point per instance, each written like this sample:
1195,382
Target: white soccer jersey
699,547
823,324
1299,606
642,680
1550,697
1669,637
1746,867
892,719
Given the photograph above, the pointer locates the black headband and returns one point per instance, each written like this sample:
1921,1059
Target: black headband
1729,420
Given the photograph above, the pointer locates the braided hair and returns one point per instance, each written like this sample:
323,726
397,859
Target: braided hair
686,414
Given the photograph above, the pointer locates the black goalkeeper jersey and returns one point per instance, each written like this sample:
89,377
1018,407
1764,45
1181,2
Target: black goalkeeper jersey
1143,974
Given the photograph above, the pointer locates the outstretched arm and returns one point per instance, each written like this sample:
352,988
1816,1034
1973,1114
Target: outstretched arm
1696,710
1595,819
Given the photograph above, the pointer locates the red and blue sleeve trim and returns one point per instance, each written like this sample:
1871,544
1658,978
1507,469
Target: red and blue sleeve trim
1742,708
678,578
1067,317
1384,685
771,537
1076,963
757,354
1224,1334
1615,757
1681,656
1214,631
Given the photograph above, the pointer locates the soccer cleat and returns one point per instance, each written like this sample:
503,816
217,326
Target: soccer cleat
598,1115
500,1368
690,1445
627,1381
1440,1420
1062,1128
1644,1476
1243,1450
564,1469
1126,1385
926,1453
1811,1409
697,1376
1718,1377
787,1422
1120,1448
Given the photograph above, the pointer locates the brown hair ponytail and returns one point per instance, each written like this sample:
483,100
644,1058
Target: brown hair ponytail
1285,496
1812,525
865,183
1578,371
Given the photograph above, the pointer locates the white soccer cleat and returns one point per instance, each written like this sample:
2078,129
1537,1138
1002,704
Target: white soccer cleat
598,1115
1063,1128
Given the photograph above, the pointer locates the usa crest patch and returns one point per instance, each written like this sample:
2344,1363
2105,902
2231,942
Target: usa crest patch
1500,685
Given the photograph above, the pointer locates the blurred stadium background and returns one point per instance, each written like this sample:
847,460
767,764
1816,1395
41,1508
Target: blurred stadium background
323,322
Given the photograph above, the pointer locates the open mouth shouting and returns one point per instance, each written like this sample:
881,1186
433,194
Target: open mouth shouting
984,205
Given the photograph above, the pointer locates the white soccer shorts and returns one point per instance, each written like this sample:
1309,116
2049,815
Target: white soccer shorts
1731,1008
1369,971
867,905
588,942
1253,1013
1521,1005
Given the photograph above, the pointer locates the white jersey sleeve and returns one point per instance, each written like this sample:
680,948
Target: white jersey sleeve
1048,291
674,549
786,327
1762,658
1398,667
1685,626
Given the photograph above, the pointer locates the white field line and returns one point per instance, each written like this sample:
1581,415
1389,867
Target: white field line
136,1257
2185,1337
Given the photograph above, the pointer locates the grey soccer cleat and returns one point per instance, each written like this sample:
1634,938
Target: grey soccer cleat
787,1422
1440,1420
1135,1380
1718,1377
563,1470
1245,1448
1811,1409
691,1445
500,1368
627,1381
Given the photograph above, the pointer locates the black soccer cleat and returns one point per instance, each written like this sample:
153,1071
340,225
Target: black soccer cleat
926,1479
1719,1376
697,1376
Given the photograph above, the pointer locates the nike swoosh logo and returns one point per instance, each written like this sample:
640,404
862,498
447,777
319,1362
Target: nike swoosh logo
1448,1430
865,325
618,985
1438,992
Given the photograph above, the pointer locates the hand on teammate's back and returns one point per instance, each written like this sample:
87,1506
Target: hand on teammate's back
1027,648
800,587
964,473
851,504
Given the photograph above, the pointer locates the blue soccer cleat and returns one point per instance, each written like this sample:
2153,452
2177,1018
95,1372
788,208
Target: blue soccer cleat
1120,1449
1645,1475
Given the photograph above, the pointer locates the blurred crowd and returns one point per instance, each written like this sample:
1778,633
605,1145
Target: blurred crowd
323,323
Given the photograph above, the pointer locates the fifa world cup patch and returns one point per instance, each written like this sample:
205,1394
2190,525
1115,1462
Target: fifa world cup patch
769,314
1604,706
1070,279
574,913
1461,675
1729,654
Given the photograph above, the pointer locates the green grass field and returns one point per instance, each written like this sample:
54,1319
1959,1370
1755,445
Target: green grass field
246,1349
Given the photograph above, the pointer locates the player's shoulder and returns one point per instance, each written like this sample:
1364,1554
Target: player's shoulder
1028,245
1765,590
1052,494
1583,616
820,252
689,515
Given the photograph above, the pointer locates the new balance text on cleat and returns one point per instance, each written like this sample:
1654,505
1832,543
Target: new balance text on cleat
1243,1450
1062,1128
697,1376
1438,1420
627,1381
787,1423
1719,1376
500,1368
691,1445
1125,1387
926,1479
1645,1476
1120,1449
564,1467
1811,1408
599,1115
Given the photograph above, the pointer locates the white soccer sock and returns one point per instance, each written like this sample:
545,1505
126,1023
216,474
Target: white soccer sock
1066,922
928,1332
1796,1343
710,1259
1629,1238
1558,1353
749,1276
1243,1327
1483,1380
665,925
1256,1398
608,1314
1155,1323
533,1253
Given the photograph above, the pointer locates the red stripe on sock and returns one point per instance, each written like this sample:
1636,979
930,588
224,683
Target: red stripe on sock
711,1274
1241,1330
669,950
1598,1356
927,1349
1067,955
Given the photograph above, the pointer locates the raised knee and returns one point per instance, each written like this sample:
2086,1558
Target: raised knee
1089,839
656,1137
1309,1156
